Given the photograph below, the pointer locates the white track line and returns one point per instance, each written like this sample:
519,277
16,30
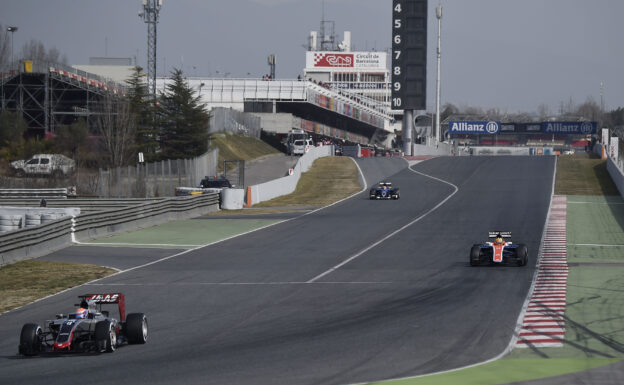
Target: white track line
91,283
121,244
359,253
241,283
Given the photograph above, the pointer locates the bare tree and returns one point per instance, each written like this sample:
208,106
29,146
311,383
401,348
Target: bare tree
543,111
116,126
35,50
590,110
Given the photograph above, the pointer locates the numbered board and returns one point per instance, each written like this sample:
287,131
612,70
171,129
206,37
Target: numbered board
409,54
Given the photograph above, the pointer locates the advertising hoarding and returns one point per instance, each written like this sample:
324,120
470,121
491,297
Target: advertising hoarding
473,127
574,128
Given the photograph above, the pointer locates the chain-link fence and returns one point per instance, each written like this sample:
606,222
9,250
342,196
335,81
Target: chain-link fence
157,179
235,122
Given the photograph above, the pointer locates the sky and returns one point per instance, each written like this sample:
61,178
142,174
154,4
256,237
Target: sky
513,55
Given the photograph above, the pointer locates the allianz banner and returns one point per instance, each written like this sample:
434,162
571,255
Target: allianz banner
575,128
473,127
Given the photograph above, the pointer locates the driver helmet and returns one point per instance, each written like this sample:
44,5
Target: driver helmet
81,313
499,239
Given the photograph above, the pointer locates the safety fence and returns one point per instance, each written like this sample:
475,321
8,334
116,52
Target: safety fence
31,242
156,179
144,180
235,122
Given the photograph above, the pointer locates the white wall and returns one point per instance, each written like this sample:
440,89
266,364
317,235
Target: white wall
287,185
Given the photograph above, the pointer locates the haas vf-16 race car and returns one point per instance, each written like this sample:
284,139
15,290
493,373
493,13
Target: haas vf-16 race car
384,190
89,329
500,250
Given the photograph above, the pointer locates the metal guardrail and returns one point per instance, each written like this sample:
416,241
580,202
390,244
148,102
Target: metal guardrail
85,204
111,217
16,245
104,219
32,192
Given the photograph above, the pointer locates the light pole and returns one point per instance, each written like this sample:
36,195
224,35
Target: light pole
437,123
12,30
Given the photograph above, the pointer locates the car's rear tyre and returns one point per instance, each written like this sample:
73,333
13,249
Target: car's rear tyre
105,336
136,328
522,253
30,340
475,255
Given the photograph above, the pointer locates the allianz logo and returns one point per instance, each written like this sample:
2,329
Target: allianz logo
489,127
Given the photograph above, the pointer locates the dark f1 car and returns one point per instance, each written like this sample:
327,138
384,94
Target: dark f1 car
499,251
384,190
89,329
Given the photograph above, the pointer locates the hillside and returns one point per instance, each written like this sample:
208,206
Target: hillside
237,147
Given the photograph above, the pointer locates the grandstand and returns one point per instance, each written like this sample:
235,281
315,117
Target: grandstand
313,107
49,95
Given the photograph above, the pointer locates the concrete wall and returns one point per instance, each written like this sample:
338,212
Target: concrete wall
286,185
279,123
617,173
439,149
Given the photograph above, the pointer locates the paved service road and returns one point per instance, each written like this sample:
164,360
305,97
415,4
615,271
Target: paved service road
268,168
333,297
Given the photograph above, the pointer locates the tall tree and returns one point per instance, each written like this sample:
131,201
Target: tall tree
184,124
12,128
115,124
69,139
142,109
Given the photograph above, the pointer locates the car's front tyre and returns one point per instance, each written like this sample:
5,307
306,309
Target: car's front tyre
105,336
30,340
522,253
475,255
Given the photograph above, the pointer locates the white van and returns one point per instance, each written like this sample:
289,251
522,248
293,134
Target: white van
297,141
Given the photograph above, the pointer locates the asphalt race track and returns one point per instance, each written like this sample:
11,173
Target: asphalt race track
337,296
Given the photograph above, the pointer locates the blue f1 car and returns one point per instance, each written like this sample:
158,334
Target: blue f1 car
384,190
499,251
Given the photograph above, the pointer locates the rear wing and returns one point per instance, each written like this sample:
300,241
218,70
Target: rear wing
108,298
504,234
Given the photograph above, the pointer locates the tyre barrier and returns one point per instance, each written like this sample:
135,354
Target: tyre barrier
10,222
32,220
51,217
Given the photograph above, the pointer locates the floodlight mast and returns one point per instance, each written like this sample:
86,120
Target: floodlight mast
150,13
438,133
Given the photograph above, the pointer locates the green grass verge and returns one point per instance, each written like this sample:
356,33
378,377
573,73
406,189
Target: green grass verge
328,180
184,234
25,281
237,147
583,174
505,371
